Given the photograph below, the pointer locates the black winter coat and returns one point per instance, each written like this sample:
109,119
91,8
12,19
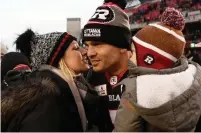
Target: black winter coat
41,102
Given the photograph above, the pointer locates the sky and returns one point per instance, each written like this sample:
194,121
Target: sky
42,16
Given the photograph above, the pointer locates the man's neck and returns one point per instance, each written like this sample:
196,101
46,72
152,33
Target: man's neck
118,70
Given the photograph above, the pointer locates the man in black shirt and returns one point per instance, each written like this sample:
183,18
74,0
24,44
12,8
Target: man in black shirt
108,38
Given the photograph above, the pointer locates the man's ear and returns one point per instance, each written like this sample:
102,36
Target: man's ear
122,51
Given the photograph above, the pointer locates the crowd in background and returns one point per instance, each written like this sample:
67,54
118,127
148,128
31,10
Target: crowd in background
150,11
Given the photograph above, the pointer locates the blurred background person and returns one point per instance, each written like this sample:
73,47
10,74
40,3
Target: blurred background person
13,64
4,49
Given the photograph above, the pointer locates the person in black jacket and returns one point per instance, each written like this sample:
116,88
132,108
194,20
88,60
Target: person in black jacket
13,63
48,99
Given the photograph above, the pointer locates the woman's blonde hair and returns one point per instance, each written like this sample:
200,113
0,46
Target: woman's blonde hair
68,73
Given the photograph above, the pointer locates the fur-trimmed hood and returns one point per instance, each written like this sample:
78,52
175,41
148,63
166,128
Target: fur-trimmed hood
161,86
30,90
168,100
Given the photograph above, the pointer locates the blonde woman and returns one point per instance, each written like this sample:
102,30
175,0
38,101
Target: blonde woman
49,99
